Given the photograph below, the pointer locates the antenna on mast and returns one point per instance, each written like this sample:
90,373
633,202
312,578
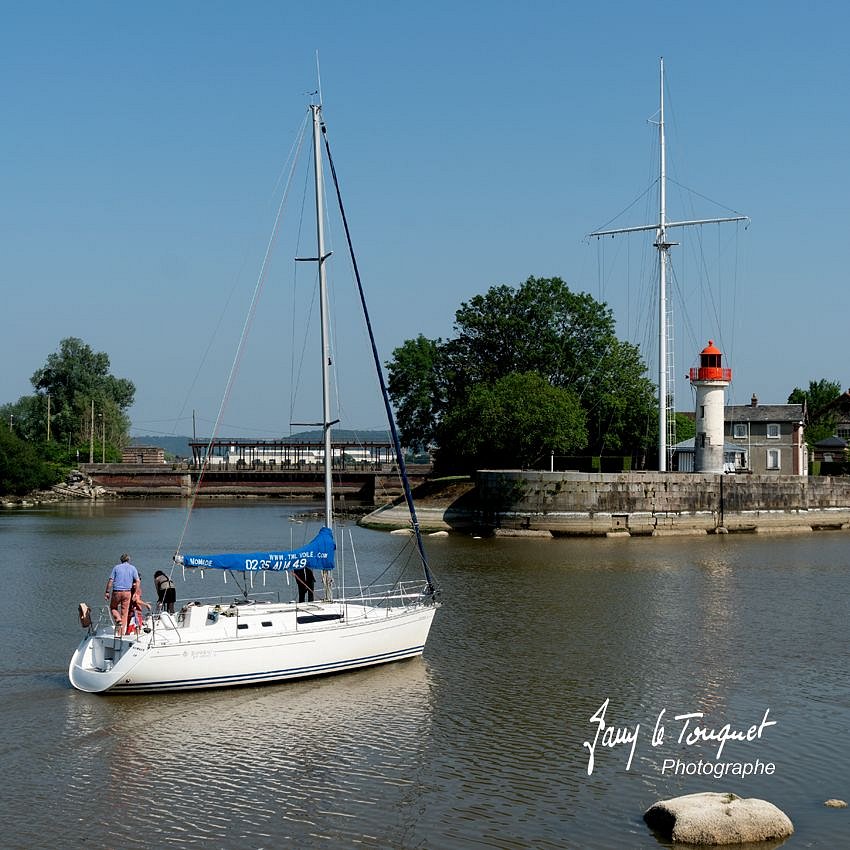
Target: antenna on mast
319,79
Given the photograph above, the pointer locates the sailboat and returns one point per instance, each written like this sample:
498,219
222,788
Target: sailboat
252,639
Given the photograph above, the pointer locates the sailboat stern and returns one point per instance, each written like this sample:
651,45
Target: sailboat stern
102,661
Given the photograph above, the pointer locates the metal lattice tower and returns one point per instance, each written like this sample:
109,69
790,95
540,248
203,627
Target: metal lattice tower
671,385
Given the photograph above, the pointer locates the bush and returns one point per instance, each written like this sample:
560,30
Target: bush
22,469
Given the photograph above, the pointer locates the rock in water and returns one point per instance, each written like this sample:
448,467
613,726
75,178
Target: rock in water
712,818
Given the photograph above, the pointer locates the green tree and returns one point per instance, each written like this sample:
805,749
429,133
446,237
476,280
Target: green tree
415,383
686,428
27,417
569,339
21,468
620,402
539,327
820,420
74,377
566,338
516,421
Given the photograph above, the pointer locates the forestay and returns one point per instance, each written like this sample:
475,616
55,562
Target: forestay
318,554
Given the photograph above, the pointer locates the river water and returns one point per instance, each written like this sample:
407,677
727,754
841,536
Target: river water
485,742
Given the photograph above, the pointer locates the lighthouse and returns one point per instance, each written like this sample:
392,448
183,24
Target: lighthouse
709,380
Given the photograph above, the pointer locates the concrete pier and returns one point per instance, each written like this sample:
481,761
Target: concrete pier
658,504
620,505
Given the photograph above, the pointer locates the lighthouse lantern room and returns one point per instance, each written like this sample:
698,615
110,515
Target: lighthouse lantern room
709,380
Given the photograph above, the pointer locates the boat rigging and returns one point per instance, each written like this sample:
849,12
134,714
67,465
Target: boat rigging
663,244
218,643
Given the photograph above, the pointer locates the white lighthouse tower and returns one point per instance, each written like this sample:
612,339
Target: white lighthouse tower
710,380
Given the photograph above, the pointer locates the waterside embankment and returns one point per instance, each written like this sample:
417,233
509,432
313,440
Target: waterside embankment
360,483
514,502
525,503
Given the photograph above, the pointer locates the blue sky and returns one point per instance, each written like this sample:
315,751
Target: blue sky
477,142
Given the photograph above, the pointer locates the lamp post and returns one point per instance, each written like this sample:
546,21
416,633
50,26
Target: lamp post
102,438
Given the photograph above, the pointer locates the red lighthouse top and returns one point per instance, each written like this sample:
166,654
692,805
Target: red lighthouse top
709,365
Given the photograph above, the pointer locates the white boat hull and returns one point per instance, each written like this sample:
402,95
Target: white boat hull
205,647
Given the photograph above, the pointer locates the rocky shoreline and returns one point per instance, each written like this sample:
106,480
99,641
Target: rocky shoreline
76,486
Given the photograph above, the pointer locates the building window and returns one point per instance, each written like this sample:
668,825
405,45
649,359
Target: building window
843,432
702,411
773,430
739,430
773,458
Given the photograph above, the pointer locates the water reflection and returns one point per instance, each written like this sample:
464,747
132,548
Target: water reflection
237,766
479,744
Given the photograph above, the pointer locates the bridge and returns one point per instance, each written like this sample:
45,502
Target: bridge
362,483
363,471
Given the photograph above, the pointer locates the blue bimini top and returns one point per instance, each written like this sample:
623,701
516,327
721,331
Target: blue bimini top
318,554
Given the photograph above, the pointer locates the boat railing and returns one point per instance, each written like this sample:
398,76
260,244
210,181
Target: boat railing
406,591
104,618
392,597
401,594
266,596
103,626
104,622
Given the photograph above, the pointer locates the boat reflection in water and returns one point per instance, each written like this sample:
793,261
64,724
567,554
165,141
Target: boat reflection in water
239,765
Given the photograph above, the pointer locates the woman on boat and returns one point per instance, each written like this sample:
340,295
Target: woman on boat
166,592
136,618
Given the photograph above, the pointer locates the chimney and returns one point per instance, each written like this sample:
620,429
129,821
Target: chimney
754,401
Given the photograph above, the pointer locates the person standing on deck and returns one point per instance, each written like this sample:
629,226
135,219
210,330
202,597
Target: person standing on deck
123,581
166,592
305,581
136,618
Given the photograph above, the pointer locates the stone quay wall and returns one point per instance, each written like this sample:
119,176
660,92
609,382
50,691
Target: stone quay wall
612,504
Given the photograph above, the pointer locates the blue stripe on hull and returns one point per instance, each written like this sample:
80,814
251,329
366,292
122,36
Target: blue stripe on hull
270,675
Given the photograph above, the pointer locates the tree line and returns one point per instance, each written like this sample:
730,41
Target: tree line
78,407
538,369
529,371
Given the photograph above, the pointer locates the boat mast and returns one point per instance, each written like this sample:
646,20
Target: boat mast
663,245
316,109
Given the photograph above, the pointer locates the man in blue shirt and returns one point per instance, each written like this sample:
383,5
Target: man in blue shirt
123,580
